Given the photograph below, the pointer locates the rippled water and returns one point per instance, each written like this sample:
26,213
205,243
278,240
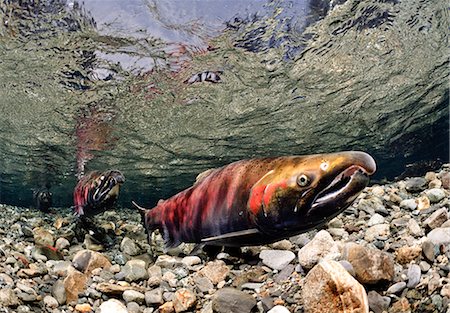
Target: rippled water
102,85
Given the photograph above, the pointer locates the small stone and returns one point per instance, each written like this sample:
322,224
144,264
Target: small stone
371,205
278,309
183,300
380,230
23,309
445,179
445,291
191,260
215,271
430,176
8,298
378,303
401,306
43,237
59,292
328,287
414,228
83,308
112,305
86,261
435,183
424,266
154,297
60,268
133,296
396,288
436,219
322,246
50,302
429,250
74,283
435,195
282,245
416,184
203,284
134,270
407,254
133,307
439,236
62,243
408,204
371,265
375,220
378,191
155,276
414,274
230,300
167,308
129,247
276,259
423,203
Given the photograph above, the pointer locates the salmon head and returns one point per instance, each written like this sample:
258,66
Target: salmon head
97,191
303,192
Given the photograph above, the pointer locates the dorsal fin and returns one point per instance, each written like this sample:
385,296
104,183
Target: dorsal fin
203,175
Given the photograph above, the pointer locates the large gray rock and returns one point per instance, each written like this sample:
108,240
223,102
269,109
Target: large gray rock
322,246
276,259
230,300
112,305
439,236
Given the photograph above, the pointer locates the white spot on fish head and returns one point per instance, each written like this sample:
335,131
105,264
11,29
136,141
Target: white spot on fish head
324,166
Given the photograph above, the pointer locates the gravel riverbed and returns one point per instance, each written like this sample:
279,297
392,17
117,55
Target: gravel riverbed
388,252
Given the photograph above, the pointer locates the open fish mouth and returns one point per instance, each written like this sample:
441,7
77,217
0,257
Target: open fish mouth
107,185
342,190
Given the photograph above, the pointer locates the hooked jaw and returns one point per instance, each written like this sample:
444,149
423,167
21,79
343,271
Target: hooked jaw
350,178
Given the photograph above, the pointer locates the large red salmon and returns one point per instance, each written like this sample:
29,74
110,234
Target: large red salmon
259,201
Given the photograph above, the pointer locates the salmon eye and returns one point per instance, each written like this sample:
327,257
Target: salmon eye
302,180
102,178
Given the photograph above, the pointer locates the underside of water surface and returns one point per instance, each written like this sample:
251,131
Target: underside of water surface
109,85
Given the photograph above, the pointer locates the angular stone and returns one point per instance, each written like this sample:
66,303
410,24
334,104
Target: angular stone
74,283
154,275
439,236
408,204
154,297
276,259
183,300
416,184
59,292
401,306
115,289
166,308
50,302
230,300
414,228
328,287
322,246
8,298
380,230
191,260
129,247
43,237
407,254
423,203
435,194
436,219
62,243
371,265
86,261
134,270
133,296
83,308
378,303
112,305
375,220
215,271
203,284
414,274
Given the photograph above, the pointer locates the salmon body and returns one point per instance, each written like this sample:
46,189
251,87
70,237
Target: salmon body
260,201
96,192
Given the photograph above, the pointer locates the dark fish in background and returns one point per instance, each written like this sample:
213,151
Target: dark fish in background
97,192
42,199
260,201
207,76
